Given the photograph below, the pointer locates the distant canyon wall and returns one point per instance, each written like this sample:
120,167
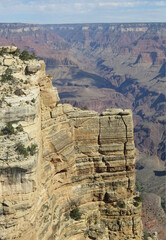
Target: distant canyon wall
102,65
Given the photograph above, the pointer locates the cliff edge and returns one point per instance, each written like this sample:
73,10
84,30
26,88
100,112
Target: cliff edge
65,173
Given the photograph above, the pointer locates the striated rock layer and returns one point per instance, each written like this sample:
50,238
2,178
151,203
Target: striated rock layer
82,161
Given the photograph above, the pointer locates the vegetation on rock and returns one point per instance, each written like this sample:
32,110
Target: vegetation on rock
1,101
17,52
3,51
84,108
138,200
32,149
7,76
25,56
9,129
75,214
19,128
20,148
146,236
121,204
163,204
33,100
138,186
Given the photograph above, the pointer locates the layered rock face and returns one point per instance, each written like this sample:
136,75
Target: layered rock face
65,173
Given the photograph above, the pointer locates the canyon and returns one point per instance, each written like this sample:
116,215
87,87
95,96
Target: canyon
66,173
100,66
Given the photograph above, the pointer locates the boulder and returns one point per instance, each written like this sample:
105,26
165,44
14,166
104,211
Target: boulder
8,49
8,61
32,68
19,92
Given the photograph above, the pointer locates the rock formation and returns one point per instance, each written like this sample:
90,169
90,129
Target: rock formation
65,173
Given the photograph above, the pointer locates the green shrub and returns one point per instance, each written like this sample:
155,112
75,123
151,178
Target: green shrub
17,52
121,204
139,198
19,128
139,186
1,100
20,148
163,204
25,56
9,129
84,108
75,214
7,76
32,149
33,55
136,204
3,51
146,235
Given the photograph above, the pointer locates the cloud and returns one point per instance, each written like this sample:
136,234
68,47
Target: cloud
119,4
59,6
52,5
160,3
126,4
65,11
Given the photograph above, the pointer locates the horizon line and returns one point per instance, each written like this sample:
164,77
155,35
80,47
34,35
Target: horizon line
26,23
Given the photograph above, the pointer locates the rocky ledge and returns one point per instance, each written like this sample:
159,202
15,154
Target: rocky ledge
65,173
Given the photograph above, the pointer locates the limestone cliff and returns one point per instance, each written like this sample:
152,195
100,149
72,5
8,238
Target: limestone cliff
65,173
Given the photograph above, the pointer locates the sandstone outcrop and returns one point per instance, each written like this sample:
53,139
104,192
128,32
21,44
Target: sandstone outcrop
57,161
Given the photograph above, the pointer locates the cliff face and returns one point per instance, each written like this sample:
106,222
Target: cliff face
65,173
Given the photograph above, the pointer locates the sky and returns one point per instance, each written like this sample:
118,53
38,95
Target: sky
82,11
